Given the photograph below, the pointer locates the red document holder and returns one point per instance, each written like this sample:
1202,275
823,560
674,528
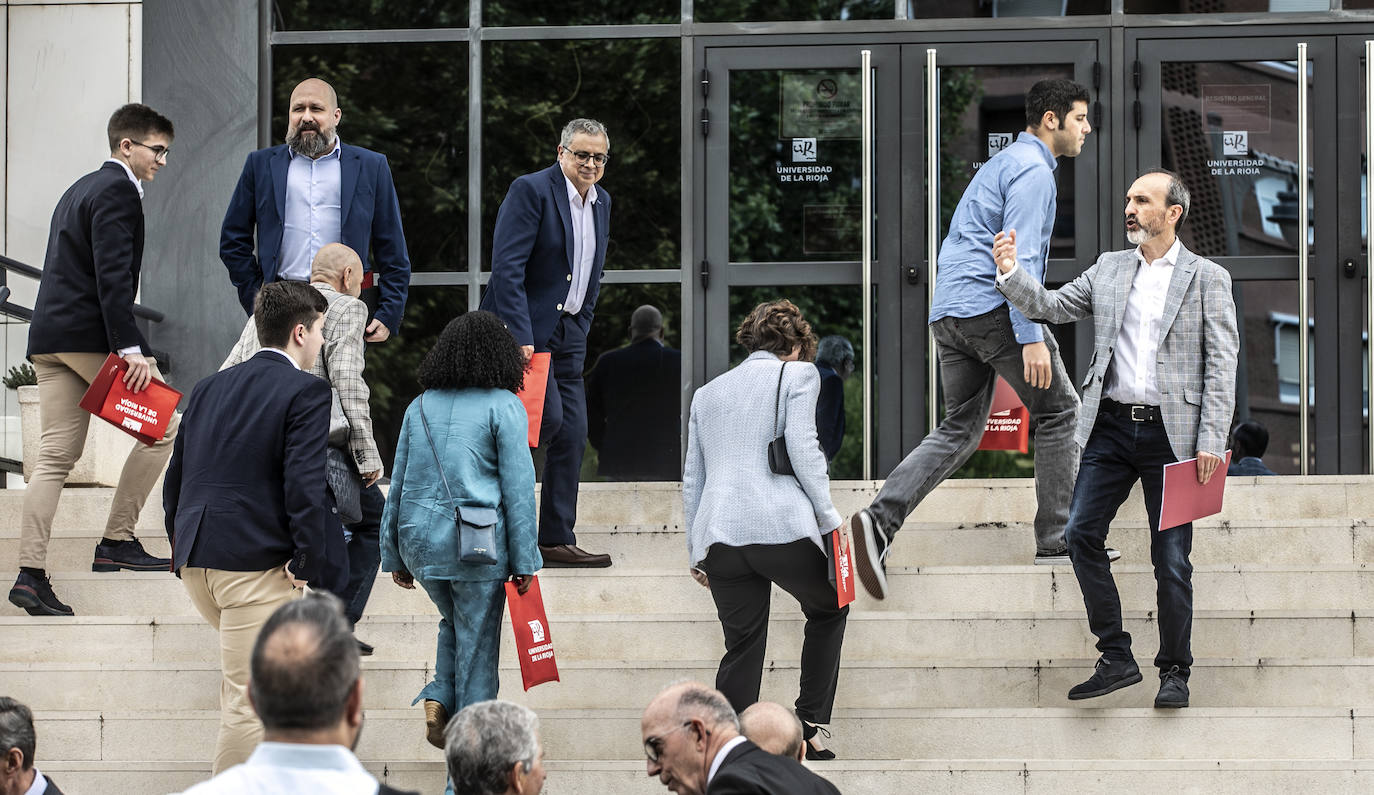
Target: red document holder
533,643
1008,425
841,544
1183,499
143,416
532,393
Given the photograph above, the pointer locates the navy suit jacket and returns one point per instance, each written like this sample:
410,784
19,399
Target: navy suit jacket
634,412
371,220
90,272
532,255
830,412
245,489
752,770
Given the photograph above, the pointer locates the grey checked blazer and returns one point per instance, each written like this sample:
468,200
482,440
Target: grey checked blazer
1196,368
729,494
340,363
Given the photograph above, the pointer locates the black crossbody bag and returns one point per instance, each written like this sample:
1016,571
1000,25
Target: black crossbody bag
778,459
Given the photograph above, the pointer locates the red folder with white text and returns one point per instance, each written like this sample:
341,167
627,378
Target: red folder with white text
532,393
143,416
1184,499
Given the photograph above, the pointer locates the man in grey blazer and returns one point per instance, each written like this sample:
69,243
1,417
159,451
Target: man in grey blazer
1160,388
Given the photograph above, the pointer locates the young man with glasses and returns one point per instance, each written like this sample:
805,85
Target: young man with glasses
548,249
84,312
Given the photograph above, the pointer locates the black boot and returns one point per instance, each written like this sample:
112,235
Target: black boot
34,594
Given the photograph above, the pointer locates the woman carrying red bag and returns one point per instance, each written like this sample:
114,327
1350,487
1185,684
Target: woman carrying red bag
462,459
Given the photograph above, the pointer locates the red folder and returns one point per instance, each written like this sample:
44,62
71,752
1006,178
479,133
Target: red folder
533,643
143,416
532,393
1184,499
1008,425
841,542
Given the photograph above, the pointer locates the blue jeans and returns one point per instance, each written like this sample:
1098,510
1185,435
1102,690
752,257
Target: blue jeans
1117,454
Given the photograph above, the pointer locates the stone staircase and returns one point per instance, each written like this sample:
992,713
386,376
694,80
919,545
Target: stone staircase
955,683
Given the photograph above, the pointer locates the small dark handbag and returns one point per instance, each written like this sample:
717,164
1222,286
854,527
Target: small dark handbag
778,460
342,478
476,524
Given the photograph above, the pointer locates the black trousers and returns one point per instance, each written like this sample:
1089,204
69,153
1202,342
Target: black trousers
741,585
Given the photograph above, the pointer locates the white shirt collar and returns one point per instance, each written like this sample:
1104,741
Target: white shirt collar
573,195
283,353
306,756
338,148
1171,255
39,784
130,172
721,754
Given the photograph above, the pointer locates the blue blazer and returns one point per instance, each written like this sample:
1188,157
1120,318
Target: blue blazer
481,436
532,255
245,489
371,221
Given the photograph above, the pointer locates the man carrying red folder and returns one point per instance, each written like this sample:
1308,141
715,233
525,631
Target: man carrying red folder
84,312
1160,388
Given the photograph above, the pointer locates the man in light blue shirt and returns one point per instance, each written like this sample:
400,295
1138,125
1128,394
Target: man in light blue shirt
979,337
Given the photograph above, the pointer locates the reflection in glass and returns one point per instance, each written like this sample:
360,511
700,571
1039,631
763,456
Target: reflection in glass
1267,379
390,97
831,310
595,12
935,9
1224,6
983,109
1230,130
531,89
368,14
784,10
634,387
391,366
795,165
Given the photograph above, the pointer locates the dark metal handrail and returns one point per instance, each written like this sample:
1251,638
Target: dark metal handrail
23,313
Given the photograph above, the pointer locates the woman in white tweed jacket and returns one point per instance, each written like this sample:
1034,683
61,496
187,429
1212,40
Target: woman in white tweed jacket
748,528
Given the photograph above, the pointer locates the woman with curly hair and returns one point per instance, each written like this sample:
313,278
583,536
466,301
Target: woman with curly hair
749,527
463,446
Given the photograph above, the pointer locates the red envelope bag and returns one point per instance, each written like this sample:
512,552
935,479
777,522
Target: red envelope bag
533,643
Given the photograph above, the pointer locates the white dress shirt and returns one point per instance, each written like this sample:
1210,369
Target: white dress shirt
1132,377
314,211
584,245
293,769
721,754
39,785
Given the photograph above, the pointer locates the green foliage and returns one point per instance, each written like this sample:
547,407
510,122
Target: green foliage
21,375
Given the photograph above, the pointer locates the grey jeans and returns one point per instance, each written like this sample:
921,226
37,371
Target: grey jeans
973,352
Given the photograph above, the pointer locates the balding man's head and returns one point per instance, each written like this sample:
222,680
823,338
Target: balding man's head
683,728
305,670
774,728
646,322
312,118
338,266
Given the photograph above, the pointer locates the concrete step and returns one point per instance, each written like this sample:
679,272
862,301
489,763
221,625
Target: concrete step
1251,733
881,777
871,636
994,589
928,683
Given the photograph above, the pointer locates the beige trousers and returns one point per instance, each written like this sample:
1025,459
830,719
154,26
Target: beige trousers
62,380
237,604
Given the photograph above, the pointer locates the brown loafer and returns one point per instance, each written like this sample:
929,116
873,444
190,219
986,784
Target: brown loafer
436,719
568,556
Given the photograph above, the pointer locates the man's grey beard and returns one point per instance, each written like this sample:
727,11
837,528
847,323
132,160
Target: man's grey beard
311,147
1139,235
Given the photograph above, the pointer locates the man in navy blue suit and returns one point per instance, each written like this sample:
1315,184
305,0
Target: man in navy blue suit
548,249
310,192
244,496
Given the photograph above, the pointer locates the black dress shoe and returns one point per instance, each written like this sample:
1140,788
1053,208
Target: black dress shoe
1110,675
568,556
814,753
364,648
35,595
116,555
1173,690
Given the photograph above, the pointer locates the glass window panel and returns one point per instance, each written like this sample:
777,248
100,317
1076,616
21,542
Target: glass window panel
391,366
935,9
531,89
983,108
634,387
783,10
831,309
795,165
597,12
368,14
390,95
1230,131
1223,6
1267,378
1357,4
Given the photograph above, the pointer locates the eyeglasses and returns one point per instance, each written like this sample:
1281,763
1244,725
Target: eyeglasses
160,152
582,157
654,745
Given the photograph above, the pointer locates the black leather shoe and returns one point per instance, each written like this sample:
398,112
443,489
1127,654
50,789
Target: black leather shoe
1173,690
35,595
116,555
815,752
1110,675
364,648
568,556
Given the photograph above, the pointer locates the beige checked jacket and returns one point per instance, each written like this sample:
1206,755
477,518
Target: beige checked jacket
1196,368
340,363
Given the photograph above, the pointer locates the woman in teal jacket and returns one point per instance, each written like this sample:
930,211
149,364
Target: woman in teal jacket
479,429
